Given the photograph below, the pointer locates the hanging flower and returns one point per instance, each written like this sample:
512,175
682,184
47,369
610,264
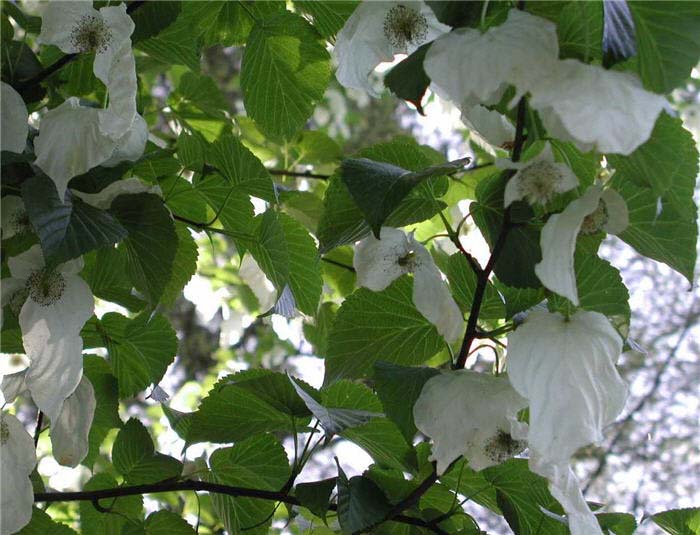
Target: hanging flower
596,108
69,433
470,414
73,138
379,262
14,217
471,67
56,305
565,368
538,179
17,461
596,210
14,117
376,32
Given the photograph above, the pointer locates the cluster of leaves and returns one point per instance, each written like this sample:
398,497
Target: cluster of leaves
140,252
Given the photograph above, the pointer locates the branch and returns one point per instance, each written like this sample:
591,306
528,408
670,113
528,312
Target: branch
302,174
175,486
65,60
483,276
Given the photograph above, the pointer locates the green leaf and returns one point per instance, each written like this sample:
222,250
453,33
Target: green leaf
314,147
151,19
316,496
233,206
257,462
184,265
167,523
285,71
106,417
617,523
179,421
526,493
42,524
287,254
140,349
20,63
67,230
241,167
383,441
155,163
182,199
124,509
408,79
463,284
246,404
191,150
679,521
668,42
135,458
600,287
378,188
398,388
201,92
521,250
519,299
176,44
667,162
372,326
656,229
328,17
361,503
105,272
151,244
342,221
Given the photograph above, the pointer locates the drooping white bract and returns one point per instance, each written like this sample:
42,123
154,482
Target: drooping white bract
596,108
379,262
255,278
13,124
565,368
57,305
103,198
74,138
595,210
17,460
376,31
538,179
14,216
471,67
69,433
471,414
488,126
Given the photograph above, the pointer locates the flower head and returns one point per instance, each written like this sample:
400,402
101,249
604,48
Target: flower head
56,303
538,179
376,31
470,414
14,119
378,262
565,368
595,210
17,461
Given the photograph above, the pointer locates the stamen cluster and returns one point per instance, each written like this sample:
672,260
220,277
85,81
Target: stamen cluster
403,26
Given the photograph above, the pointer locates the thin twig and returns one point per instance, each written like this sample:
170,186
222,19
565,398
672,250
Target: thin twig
37,431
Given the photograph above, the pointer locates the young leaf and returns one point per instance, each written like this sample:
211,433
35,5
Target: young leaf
361,503
679,521
408,79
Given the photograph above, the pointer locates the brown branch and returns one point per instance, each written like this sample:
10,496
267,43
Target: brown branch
483,276
175,486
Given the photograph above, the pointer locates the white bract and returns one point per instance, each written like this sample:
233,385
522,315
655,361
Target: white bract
566,369
17,461
14,217
471,67
13,120
376,32
379,262
103,199
596,108
471,414
488,126
56,305
73,138
538,179
596,210
69,433
255,278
